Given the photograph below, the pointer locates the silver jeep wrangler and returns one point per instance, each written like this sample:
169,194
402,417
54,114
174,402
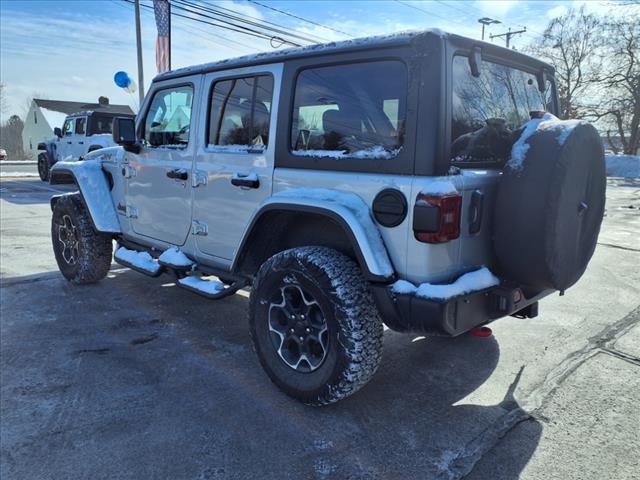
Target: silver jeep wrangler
417,180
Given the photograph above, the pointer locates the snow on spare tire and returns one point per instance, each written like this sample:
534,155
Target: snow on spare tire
550,203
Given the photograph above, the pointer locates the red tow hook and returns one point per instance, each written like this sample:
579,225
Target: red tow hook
481,331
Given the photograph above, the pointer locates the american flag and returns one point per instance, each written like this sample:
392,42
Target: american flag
162,9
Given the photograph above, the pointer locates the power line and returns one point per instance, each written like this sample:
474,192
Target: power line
265,25
431,13
301,18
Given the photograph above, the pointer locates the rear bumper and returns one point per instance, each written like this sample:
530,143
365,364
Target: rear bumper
454,316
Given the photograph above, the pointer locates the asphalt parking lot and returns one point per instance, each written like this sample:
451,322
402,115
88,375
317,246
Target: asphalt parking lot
134,378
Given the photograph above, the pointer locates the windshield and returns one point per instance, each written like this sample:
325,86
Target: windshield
487,111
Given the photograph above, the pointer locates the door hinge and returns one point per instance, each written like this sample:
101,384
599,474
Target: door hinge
198,178
131,211
199,228
128,171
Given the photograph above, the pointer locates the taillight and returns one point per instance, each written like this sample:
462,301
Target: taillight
436,218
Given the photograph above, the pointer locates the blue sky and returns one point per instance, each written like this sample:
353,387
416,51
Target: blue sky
70,50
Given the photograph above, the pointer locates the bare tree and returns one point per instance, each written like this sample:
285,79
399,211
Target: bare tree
11,137
618,102
570,43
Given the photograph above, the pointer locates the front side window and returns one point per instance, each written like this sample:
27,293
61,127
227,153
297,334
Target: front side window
350,111
168,120
81,124
67,128
240,112
488,111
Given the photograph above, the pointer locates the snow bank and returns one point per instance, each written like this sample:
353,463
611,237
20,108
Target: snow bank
358,208
467,283
207,286
174,256
18,174
627,166
547,122
140,260
374,152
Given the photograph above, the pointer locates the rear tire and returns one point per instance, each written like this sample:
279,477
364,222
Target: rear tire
83,255
43,167
322,292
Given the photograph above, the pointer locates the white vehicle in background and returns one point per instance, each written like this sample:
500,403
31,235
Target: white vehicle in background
81,133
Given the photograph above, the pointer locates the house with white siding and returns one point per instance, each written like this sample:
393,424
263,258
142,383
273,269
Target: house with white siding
45,115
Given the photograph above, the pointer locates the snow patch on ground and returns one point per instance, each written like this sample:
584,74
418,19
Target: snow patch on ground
207,286
627,166
374,152
467,283
140,260
358,208
18,174
547,122
174,256
439,187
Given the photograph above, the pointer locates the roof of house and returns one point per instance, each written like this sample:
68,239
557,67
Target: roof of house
70,108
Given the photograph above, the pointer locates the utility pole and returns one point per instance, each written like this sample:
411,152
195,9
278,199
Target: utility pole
486,21
508,35
139,46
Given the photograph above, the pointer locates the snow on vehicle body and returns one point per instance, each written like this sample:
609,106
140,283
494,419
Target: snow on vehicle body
349,184
81,133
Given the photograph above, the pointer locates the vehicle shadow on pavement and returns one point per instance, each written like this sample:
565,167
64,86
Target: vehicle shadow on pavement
136,378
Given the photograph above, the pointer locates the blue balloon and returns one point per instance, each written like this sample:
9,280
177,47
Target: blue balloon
122,79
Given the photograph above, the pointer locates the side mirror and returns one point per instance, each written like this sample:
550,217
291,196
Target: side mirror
57,132
475,58
124,133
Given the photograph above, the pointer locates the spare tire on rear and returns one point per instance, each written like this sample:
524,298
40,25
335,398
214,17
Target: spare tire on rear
550,206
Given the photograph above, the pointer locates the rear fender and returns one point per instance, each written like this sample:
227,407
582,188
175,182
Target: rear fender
348,210
94,189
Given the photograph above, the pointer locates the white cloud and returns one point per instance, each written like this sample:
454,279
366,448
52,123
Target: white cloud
496,7
557,11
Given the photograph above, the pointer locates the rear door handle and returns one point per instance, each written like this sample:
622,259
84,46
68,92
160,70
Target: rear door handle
81,143
178,174
249,181
69,142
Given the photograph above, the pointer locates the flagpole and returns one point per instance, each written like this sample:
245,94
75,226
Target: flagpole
139,47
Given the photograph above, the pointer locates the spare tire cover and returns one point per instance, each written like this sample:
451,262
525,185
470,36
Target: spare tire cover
549,210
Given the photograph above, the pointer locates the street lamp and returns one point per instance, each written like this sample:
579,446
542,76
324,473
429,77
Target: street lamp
487,21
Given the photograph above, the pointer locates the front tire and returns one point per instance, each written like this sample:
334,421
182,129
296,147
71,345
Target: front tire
314,324
43,167
83,255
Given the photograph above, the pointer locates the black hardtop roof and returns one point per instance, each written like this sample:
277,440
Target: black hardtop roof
83,108
390,40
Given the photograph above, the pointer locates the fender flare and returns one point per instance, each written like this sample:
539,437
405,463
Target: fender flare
347,210
94,190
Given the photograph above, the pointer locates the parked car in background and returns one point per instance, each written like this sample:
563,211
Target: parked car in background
81,133
3,154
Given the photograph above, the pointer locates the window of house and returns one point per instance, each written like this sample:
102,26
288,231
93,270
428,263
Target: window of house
35,117
488,111
81,125
67,128
240,112
168,120
351,111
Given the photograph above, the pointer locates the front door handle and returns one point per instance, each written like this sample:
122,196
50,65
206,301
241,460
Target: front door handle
69,142
178,174
250,181
81,143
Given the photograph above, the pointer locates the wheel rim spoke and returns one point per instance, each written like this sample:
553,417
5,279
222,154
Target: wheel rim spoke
299,331
67,236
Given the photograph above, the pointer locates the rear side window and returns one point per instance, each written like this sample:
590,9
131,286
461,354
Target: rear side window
168,120
240,112
350,111
81,125
488,111
101,124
